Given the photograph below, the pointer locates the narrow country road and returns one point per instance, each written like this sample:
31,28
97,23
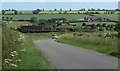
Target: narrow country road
64,56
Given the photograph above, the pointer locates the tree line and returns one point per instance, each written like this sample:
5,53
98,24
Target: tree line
37,11
96,27
52,21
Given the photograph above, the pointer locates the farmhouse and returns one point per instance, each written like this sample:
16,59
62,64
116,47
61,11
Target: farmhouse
36,28
91,19
59,20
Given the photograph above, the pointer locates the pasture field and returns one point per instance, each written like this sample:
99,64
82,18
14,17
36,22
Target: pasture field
67,16
48,16
16,24
54,12
109,16
107,23
27,14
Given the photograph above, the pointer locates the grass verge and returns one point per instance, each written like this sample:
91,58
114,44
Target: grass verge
19,52
104,45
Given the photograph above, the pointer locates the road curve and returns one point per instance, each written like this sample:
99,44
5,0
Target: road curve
64,56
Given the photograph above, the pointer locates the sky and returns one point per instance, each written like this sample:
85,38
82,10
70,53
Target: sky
58,5
60,0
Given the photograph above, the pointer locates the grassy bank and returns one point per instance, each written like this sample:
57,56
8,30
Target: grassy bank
19,52
90,41
33,58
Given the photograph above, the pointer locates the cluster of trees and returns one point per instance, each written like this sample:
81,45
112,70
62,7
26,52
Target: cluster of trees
15,11
37,11
109,12
7,18
95,27
54,21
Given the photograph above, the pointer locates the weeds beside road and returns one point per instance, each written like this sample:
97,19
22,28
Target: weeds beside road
104,45
19,52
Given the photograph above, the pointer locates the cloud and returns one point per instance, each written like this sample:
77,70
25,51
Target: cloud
60,0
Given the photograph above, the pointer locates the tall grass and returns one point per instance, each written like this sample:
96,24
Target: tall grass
9,44
28,57
104,45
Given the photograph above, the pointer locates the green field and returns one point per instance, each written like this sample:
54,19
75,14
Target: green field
31,58
48,16
54,12
67,16
109,16
16,24
107,23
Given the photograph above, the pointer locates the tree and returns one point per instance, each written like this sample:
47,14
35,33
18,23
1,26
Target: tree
104,25
101,29
12,9
93,26
3,12
42,22
11,18
93,9
103,9
88,9
35,12
98,9
65,12
60,12
70,9
84,24
34,20
78,12
2,18
50,10
97,13
38,9
15,12
83,9
98,25
60,9
55,9
117,9
7,18
64,19
9,9
20,13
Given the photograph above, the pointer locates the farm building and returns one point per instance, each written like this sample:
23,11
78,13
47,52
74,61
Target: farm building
58,20
64,27
36,28
91,19
44,28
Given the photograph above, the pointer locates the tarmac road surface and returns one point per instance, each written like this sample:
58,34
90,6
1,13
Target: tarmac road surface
64,56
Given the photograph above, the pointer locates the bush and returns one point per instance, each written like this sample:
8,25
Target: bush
101,29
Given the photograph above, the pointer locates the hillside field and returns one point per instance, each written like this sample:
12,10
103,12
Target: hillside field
54,12
47,16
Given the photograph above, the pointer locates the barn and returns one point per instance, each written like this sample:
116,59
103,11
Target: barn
36,28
